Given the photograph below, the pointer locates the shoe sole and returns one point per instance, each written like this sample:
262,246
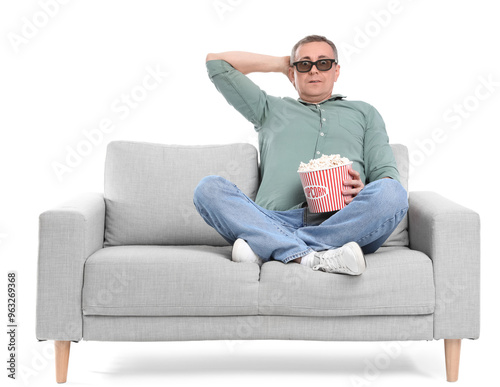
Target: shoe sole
240,244
358,250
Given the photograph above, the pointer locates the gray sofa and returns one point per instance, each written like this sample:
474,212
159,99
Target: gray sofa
138,263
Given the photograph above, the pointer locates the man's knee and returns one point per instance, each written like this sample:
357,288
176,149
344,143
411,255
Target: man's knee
393,194
208,188
397,194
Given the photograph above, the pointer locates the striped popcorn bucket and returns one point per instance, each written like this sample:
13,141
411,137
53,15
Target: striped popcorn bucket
323,188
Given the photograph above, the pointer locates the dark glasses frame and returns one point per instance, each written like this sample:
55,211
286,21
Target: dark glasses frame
311,64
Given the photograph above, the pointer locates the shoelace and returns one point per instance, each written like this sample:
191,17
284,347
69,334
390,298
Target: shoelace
331,262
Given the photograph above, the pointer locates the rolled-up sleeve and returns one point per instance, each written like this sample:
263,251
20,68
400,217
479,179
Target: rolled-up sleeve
239,91
378,157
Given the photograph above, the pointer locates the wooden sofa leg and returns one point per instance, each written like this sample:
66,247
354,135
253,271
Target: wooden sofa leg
62,359
452,356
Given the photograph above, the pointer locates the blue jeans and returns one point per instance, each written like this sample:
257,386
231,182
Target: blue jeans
287,235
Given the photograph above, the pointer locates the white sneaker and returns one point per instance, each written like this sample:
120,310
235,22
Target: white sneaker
348,259
242,252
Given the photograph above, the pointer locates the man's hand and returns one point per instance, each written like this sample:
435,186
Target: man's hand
356,185
285,65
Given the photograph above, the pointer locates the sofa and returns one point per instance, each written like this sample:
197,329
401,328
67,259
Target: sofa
138,263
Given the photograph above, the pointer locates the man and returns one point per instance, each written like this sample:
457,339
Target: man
278,225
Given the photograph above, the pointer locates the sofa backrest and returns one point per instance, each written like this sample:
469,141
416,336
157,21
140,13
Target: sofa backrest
148,190
399,237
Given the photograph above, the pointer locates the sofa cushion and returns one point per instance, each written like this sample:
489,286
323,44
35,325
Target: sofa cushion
399,236
397,281
168,281
148,190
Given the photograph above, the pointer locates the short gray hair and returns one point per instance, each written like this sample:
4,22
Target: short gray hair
310,39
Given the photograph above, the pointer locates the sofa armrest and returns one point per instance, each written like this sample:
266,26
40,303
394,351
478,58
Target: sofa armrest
68,235
449,234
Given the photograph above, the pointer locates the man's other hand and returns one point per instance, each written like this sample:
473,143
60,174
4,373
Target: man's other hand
285,69
354,186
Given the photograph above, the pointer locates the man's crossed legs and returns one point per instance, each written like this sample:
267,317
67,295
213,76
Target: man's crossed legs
295,235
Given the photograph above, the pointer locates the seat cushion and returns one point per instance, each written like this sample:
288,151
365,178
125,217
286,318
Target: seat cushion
148,190
397,281
168,281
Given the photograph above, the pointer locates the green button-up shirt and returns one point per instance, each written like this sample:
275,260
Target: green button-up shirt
291,131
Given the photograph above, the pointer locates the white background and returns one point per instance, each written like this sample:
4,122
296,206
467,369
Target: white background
422,64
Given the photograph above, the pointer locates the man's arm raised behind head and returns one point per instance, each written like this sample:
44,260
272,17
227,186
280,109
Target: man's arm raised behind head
227,72
248,62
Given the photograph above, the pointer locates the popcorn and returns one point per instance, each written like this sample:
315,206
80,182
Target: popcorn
323,182
323,162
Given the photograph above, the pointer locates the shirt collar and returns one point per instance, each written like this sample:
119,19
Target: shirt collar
334,97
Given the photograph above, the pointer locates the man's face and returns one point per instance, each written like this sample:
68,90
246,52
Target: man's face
314,86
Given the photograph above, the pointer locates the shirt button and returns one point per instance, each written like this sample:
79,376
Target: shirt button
317,152
324,119
321,134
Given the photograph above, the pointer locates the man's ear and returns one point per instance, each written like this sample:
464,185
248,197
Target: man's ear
337,72
291,75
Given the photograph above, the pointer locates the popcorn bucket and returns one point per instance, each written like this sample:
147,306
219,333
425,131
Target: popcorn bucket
323,188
